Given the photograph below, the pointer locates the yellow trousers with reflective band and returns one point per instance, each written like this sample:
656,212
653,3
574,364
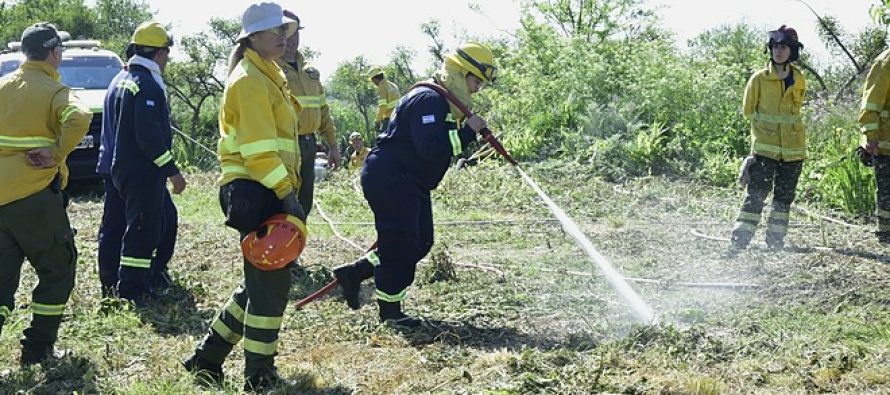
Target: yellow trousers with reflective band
36,227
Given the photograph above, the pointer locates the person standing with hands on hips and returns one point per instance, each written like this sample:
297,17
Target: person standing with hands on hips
42,122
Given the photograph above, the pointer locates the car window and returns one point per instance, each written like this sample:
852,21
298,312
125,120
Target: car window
89,72
9,66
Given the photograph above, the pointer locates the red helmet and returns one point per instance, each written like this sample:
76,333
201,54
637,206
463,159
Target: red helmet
277,242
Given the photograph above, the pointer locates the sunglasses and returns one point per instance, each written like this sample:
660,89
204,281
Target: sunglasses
490,72
277,31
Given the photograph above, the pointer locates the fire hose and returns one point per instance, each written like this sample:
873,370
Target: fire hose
486,134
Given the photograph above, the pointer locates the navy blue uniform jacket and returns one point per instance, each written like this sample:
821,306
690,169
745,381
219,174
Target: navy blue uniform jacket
136,134
416,144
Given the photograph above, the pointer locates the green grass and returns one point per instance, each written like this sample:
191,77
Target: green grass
819,322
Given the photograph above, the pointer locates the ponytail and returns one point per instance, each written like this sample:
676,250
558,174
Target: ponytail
237,54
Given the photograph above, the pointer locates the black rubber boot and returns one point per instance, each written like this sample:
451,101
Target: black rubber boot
206,373
33,354
350,278
883,237
265,381
775,241
740,238
391,314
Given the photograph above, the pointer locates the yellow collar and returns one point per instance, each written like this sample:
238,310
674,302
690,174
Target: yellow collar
267,67
44,67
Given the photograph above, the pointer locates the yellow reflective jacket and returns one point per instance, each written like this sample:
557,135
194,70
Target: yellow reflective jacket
874,114
305,84
358,157
36,111
777,130
389,97
258,127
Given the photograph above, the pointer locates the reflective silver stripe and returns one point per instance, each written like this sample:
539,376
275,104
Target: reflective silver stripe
25,142
47,309
746,226
779,215
258,347
763,147
382,101
779,119
139,263
258,147
882,213
234,169
71,109
868,127
4,312
750,217
261,322
224,332
289,145
311,101
872,106
274,176
129,85
456,147
373,258
165,158
235,310
391,298
392,103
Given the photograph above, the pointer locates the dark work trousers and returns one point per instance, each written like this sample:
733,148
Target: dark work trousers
307,171
256,308
37,228
882,178
403,217
143,196
767,174
111,233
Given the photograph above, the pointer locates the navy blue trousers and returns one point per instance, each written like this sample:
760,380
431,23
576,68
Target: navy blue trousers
403,217
163,228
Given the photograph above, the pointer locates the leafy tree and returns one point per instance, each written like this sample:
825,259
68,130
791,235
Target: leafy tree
196,83
595,20
113,21
350,84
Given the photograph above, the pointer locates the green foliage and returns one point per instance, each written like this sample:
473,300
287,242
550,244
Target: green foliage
112,21
350,84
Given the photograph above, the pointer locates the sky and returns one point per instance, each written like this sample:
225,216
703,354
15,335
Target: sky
341,30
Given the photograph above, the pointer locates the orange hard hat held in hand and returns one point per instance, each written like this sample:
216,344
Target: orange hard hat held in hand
277,242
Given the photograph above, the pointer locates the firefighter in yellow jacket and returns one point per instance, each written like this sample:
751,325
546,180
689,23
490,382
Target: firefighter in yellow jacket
874,122
42,121
773,98
360,152
304,82
259,158
388,97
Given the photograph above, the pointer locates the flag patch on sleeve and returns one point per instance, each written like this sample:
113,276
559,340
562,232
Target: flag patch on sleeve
150,103
428,119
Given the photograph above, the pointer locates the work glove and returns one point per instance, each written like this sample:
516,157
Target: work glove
745,171
291,206
865,157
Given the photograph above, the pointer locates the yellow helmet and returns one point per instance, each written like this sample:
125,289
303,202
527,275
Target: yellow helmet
375,71
152,34
477,59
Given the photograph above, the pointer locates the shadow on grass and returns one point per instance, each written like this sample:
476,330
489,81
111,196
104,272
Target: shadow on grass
305,383
71,374
176,313
490,338
885,259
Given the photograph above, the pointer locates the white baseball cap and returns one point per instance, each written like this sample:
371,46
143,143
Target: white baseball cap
264,16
